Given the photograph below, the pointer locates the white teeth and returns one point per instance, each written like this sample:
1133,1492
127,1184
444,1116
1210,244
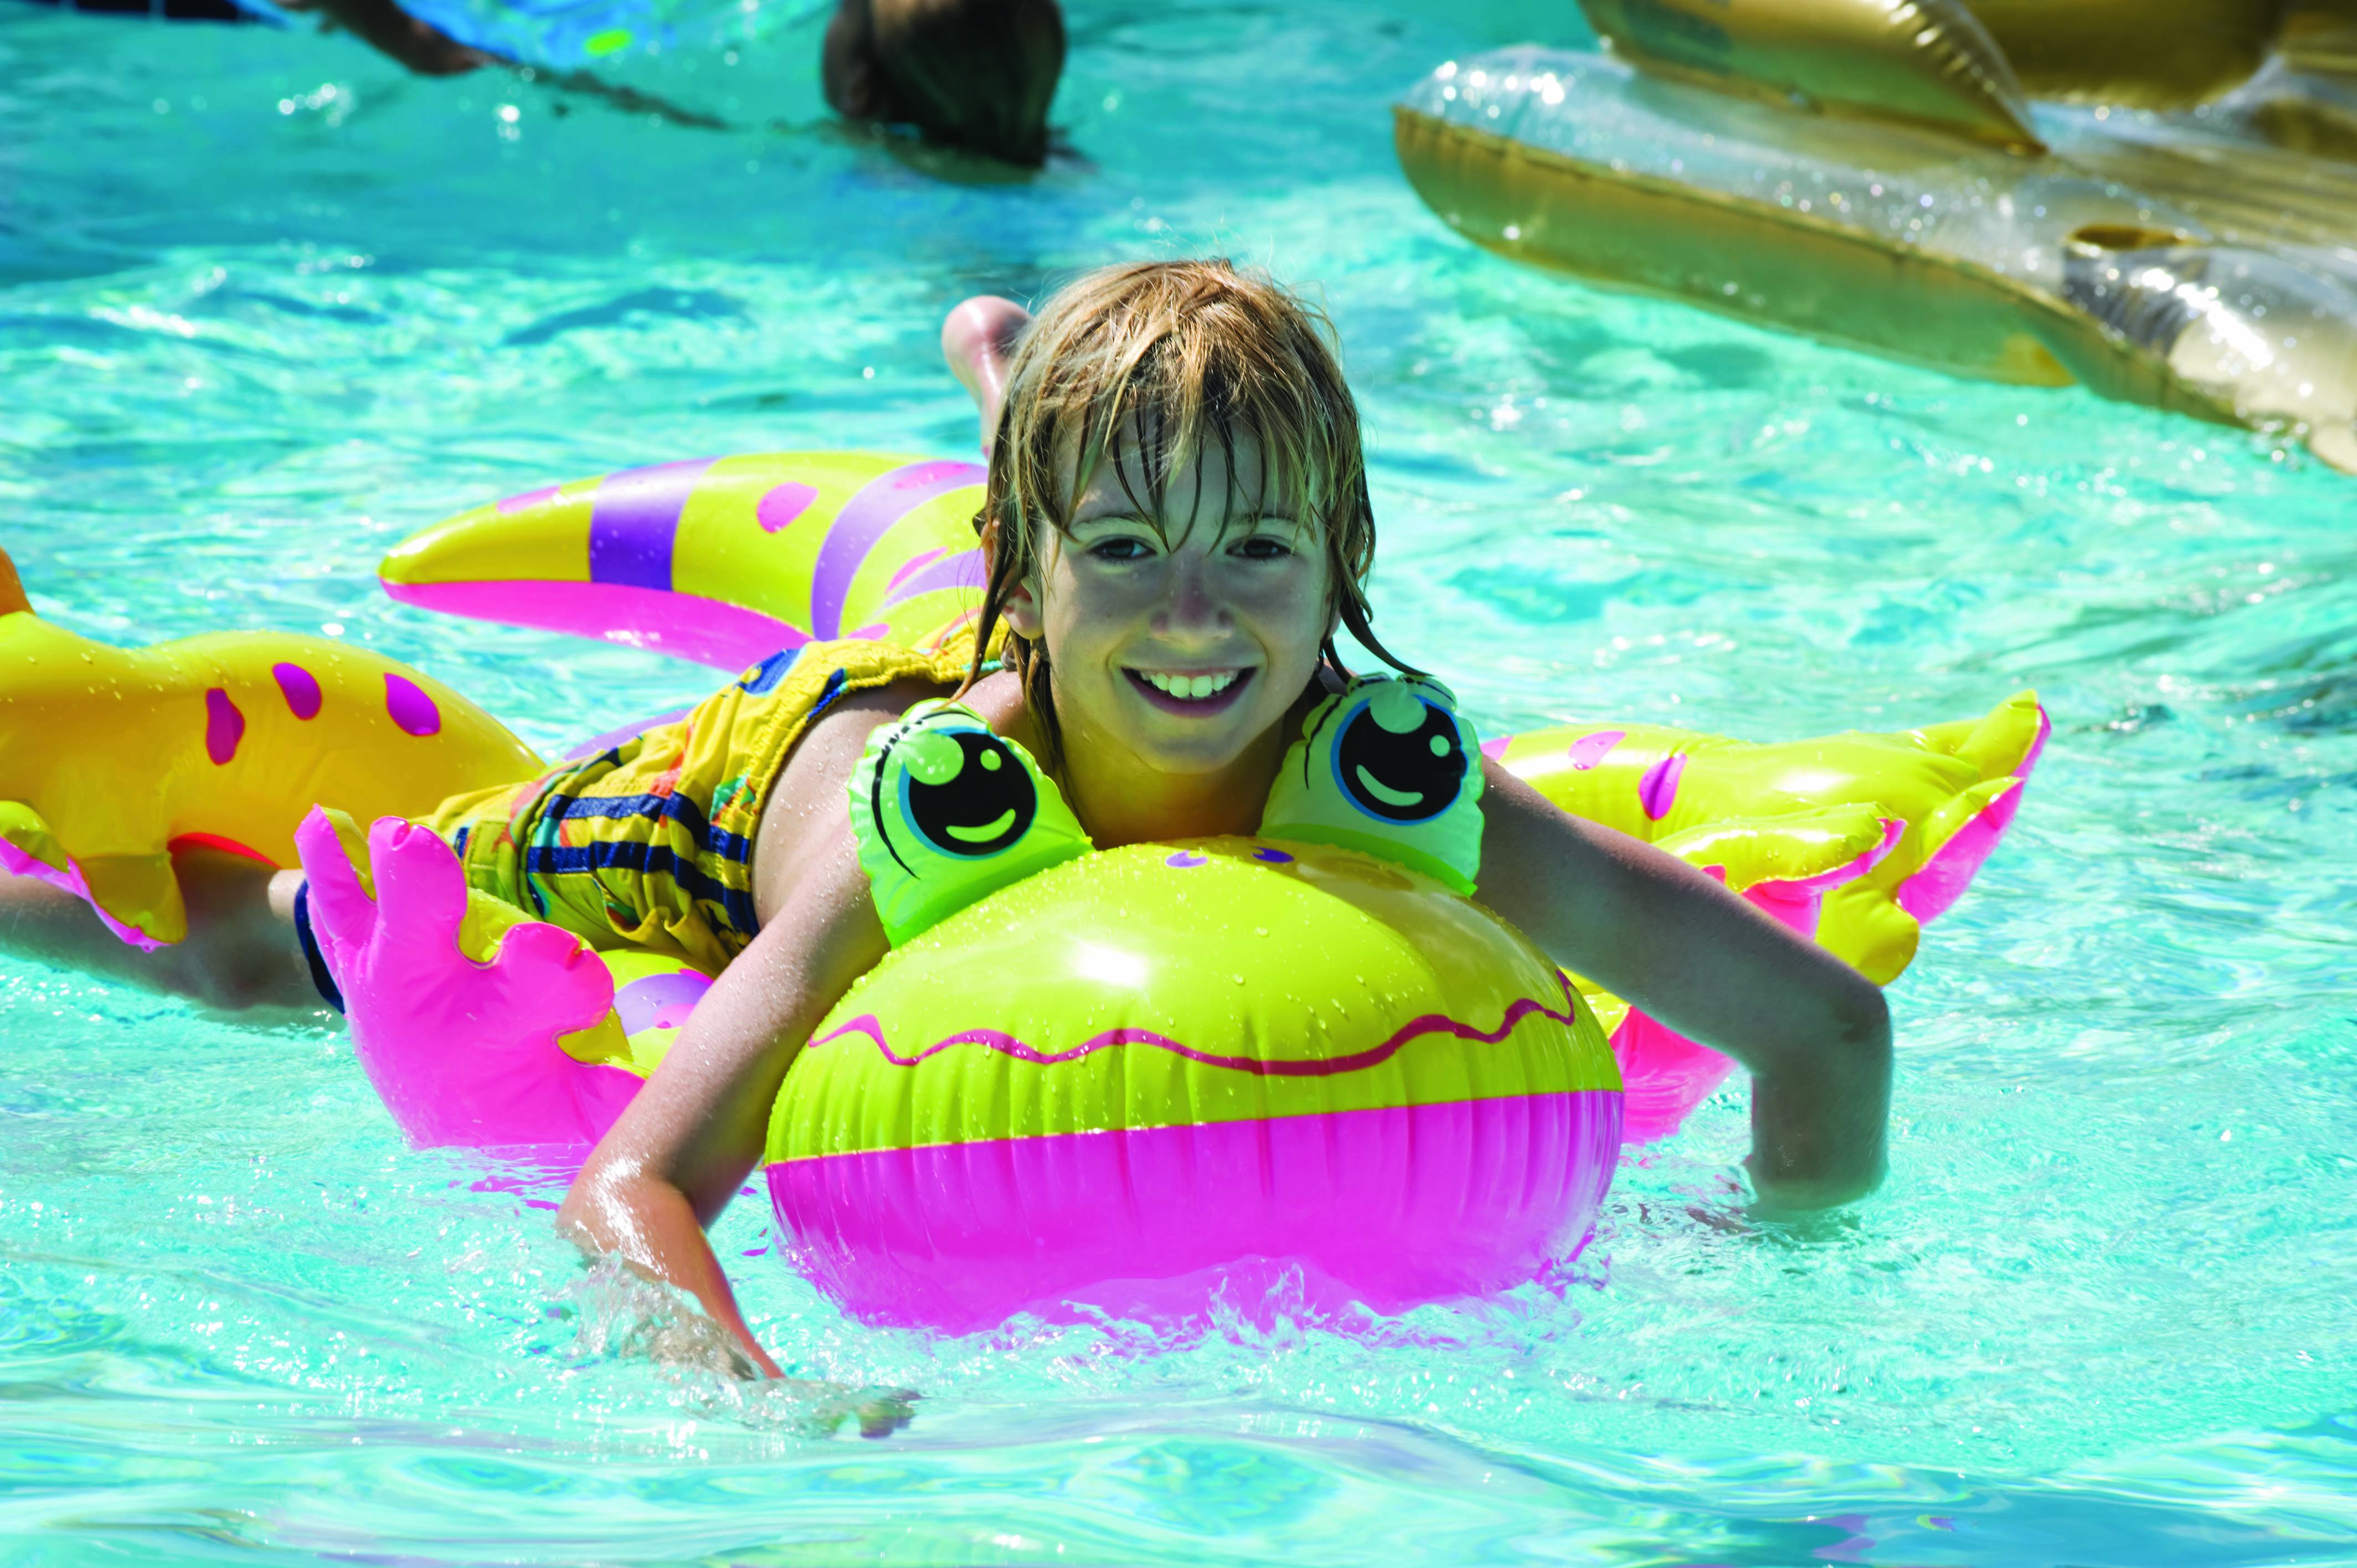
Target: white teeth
1190,688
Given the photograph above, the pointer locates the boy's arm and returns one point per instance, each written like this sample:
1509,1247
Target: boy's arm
1814,1034
685,1145
385,26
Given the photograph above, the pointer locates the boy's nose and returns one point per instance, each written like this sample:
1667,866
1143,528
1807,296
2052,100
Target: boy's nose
1189,605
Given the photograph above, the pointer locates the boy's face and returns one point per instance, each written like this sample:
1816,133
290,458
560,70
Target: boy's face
1179,640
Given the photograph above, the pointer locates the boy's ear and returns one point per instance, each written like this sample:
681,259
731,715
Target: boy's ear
1022,611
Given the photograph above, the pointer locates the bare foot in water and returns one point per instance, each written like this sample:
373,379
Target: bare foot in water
977,338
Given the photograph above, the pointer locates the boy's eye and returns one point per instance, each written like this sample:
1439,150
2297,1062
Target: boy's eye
1120,550
1265,547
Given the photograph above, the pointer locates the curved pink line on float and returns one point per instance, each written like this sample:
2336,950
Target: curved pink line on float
527,500
1942,880
686,626
1006,1045
864,519
1387,1209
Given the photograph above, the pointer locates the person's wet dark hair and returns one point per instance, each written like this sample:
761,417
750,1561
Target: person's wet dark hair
977,74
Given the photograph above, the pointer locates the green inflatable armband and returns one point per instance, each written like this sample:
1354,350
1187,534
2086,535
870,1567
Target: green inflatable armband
1386,766
946,812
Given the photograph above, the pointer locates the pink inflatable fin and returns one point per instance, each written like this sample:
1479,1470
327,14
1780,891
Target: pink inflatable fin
463,1053
1929,892
1663,1074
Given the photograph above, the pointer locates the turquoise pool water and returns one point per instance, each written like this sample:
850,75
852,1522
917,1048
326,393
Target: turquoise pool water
265,306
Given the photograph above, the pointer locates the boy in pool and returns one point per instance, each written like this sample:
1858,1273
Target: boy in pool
1176,525
973,74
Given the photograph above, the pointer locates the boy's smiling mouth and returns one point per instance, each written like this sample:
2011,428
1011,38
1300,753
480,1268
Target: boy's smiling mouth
1191,691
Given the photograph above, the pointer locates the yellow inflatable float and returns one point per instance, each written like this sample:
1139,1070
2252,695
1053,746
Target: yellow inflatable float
1856,840
116,757
1875,174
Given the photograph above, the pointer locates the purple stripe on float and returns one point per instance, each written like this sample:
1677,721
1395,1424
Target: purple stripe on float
634,522
866,518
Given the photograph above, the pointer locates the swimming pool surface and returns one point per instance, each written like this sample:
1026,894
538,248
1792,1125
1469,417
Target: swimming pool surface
266,306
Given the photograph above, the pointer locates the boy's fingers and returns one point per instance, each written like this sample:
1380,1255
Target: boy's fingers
887,1413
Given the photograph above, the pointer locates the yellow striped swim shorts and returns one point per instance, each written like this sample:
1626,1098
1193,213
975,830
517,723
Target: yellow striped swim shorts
649,843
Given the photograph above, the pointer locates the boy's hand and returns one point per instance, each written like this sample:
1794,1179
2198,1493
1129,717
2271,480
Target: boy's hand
977,338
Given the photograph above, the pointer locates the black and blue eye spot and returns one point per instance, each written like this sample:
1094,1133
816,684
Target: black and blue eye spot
1406,774
965,792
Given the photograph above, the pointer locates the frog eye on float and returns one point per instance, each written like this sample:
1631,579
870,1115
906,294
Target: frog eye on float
965,792
1399,756
1385,767
946,812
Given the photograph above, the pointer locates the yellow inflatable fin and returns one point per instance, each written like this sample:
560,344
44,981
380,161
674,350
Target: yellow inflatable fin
112,757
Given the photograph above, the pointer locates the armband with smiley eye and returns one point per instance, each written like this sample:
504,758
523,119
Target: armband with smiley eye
1386,766
947,813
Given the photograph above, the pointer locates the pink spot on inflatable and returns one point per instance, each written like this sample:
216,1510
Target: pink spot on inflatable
1184,860
529,500
1494,750
1657,791
299,687
1590,749
913,565
224,727
409,707
783,504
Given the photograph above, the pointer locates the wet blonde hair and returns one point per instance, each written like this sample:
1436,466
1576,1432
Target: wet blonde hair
1142,365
